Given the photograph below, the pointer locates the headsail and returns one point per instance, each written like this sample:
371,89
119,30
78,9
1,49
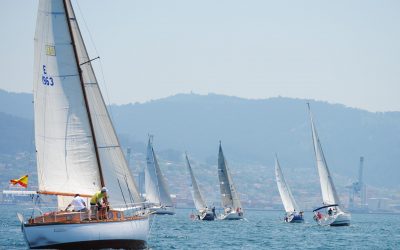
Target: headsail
328,190
77,148
286,194
155,183
199,202
229,195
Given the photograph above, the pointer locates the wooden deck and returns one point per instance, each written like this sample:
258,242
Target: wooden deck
80,217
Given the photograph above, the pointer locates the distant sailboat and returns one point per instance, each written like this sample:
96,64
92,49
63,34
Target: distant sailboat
230,197
293,213
77,149
335,215
156,188
204,212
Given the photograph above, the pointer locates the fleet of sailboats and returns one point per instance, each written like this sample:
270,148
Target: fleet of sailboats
77,149
78,152
158,197
204,211
335,216
293,212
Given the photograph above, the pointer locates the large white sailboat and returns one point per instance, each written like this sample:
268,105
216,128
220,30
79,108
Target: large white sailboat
334,216
293,212
204,212
77,149
230,197
158,197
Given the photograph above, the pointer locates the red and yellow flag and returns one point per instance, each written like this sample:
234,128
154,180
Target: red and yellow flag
23,181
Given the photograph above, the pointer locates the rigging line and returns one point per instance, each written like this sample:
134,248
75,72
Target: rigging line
35,204
89,60
97,53
123,197
129,190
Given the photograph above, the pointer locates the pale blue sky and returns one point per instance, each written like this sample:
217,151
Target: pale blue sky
339,51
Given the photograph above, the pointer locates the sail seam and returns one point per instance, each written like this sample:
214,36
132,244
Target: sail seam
112,146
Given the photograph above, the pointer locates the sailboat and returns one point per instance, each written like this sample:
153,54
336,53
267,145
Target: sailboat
293,213
158,197
335,215
230,197
204,213
77,149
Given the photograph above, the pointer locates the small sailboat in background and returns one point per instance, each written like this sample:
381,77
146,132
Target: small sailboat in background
157,194
335,216
204,212
77,149
293,213
230,197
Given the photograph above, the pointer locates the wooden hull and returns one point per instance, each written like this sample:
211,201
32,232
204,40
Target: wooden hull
103,234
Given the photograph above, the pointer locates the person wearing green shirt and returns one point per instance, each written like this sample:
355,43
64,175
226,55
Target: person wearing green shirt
97,201
99,197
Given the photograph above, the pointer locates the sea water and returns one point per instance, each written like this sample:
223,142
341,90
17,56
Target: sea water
260,230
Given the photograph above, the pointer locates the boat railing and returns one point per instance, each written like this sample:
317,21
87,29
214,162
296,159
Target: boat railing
133,209
44,215
54,214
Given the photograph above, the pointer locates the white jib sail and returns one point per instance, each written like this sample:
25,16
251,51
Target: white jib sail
229,195
329,195
199,202
286,194
155,184
66,153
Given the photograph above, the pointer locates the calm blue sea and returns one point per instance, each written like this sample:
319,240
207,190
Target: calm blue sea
261,230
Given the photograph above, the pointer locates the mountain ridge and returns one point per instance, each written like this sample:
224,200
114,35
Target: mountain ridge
253,130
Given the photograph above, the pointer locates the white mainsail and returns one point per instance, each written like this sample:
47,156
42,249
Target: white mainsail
199,202
286,194
77,148
229,195
155,184
329,195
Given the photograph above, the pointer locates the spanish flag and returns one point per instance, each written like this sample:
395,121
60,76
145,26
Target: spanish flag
23,181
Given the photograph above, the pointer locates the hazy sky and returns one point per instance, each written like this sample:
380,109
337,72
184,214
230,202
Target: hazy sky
340,51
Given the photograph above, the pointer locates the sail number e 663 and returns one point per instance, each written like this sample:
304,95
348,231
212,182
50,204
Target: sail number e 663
47,80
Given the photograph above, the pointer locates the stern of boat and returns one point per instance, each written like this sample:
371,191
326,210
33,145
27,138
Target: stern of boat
232,216
341,219
207,216
297,219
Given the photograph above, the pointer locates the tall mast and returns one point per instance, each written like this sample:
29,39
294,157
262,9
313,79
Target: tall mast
84,92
